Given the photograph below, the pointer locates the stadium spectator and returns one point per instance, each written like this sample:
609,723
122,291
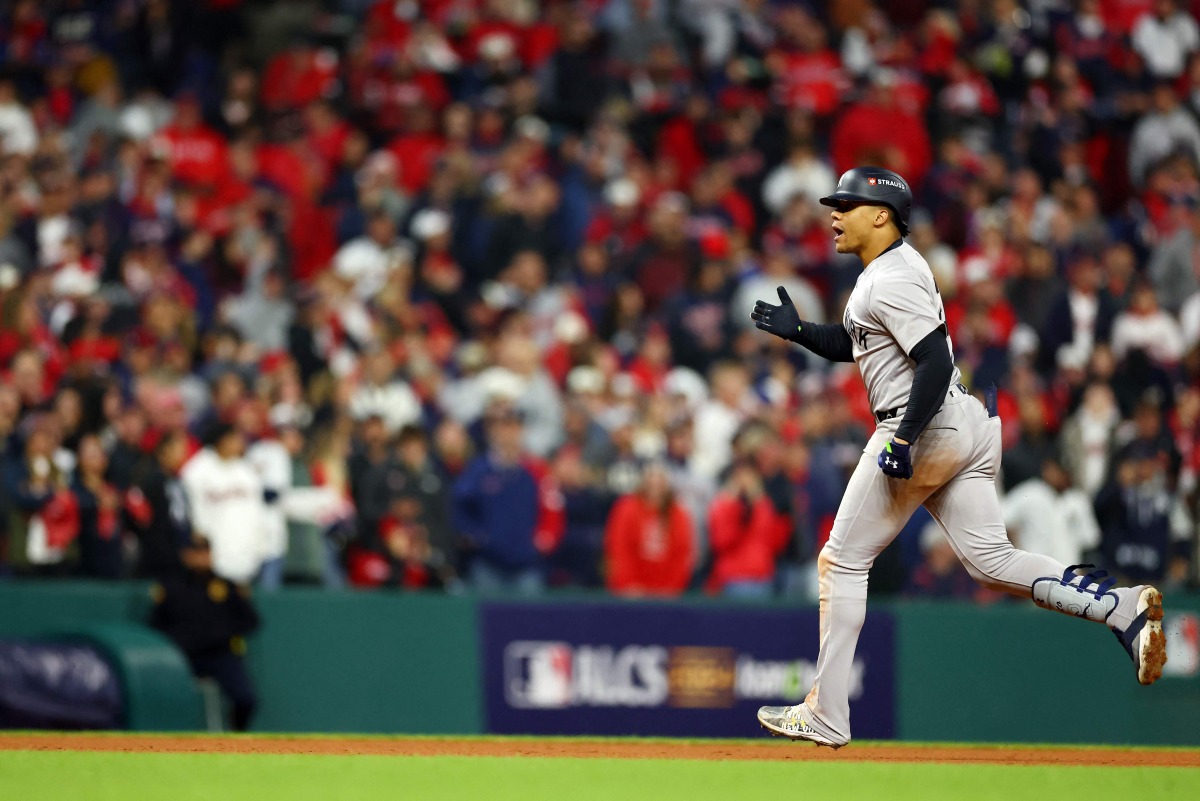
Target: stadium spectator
578,560
272,463
227,505
17,129
1172,270
159,512
1146,327
496,508
648,540
209,618
1145,536
384,396
1165,38
940,574
102,543
1088,437
43,514
907,148
717,419
746,532
1080,317
1167,130
698,318
410,474
1047,515
664,262
405,211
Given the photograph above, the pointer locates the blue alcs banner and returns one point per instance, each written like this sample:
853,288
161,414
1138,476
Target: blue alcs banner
660,669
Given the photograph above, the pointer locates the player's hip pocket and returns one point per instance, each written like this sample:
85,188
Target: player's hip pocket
937,455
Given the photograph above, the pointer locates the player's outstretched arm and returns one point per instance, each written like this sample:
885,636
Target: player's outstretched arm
829,340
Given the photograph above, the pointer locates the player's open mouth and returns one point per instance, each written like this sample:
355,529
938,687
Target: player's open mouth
837,232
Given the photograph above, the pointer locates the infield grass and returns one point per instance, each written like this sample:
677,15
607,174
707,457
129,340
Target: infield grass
91,776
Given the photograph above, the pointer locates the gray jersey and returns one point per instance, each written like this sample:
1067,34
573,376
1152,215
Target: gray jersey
894,305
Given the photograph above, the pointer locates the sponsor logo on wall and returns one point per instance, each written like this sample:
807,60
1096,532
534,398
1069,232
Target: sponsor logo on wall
1183,645
662,670
558,675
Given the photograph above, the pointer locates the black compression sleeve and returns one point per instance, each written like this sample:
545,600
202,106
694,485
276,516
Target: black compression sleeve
829,340
930,382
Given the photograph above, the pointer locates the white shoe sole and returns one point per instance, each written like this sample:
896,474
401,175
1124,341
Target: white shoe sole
1152,653
775,731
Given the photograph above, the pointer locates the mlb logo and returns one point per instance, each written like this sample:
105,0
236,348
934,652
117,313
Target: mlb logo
872,181
537,675
1183,645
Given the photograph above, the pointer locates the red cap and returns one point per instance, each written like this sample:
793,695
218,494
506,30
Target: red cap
714,245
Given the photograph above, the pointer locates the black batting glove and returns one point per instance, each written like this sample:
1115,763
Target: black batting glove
782,320
895,460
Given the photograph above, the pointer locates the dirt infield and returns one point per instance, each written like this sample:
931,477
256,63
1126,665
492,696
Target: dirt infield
598,749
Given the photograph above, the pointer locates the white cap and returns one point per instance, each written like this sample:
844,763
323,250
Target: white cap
71,280
570,327
688,383
289,415
622,192
649,443
1072,357
532,127
976,269
137,123
500,383
379,161
497,46
471,355
585,380
10,276
1024,341
429,223
931,536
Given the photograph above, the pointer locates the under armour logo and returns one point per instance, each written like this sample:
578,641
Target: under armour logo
891,463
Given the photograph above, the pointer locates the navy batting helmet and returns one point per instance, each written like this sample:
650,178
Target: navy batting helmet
878,186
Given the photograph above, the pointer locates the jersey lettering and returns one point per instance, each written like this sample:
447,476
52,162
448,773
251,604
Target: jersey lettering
859,335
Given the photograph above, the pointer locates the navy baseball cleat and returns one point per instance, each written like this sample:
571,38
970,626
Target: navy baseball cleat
1144,640
792,722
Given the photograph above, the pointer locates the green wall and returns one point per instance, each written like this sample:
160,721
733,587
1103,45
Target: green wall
1016,673
322,661
408,663
29,608
367,662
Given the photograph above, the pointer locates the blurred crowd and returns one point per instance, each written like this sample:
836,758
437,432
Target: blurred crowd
455,293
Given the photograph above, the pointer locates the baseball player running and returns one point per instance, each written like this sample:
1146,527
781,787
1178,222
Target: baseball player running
934,444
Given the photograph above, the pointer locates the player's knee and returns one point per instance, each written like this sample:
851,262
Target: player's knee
988,568
981,577
837,558
825,558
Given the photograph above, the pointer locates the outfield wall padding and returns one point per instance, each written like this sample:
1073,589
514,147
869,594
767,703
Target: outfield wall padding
367,662
160,693
412,663
1014,673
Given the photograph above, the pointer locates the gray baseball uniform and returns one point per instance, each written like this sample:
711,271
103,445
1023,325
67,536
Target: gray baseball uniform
894,305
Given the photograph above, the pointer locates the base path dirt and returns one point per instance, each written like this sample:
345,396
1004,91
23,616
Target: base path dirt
598,749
